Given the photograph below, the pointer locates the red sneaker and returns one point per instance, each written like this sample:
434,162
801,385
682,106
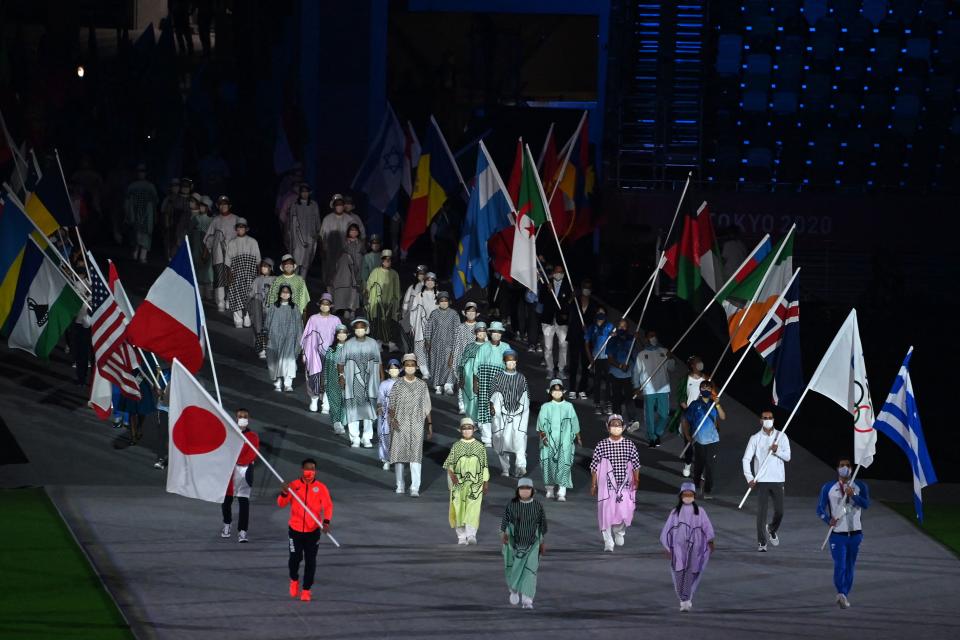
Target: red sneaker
305,595
294,588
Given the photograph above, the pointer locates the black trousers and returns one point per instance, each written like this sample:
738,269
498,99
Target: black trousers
577,364
621,396
766,491
529,322
227,509
704,460
601,381
303,546
80,348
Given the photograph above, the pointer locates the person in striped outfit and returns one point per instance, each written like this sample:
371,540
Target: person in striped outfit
522,529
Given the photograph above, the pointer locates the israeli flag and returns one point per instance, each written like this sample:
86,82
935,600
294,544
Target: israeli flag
900,421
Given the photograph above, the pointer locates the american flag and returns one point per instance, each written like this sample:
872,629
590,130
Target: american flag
779,345
111,350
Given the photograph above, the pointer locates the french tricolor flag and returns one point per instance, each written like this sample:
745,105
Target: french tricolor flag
169,322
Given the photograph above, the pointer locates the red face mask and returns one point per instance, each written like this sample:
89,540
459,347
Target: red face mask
309,475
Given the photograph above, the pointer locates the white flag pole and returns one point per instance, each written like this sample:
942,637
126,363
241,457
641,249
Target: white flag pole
159,377
753,338
566,160
703,312
66,190
543,150
453,161
753,299
203,320
72,285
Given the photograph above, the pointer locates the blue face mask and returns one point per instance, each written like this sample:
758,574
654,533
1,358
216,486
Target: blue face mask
601,317
705,393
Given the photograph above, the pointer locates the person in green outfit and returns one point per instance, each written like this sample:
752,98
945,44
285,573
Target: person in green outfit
488,364
468,474
383,301
522,529
467,367
559,428
288,276
334,394
371,260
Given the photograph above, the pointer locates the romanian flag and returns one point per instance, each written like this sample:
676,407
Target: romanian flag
49,204
437,179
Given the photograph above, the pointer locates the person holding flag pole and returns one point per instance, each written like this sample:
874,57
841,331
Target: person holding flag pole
753,338
652,280
743,269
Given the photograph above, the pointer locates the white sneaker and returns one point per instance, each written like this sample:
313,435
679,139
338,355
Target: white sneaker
221,307
246,321
325,405
514,598
521,472
618,538
414,493
400,491
571,395
338,429
242,537
288,387
238,324
262,355
354,444
528,604
772,537
277,385
313,404
471,539
367,444
462,541
608,546
448,389
505,473
842,601
549,493
686,605
386,466
438,391
226,531
562,494
686,470
634,427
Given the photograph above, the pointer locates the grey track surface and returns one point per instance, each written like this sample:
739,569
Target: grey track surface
400,573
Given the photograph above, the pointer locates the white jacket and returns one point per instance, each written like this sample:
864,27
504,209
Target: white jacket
758,449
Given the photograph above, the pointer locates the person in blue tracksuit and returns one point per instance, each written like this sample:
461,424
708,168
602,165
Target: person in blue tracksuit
840,506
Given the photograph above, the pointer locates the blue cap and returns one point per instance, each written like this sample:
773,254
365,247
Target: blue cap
393,362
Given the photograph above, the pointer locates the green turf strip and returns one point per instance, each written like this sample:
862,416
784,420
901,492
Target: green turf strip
940,521
47,587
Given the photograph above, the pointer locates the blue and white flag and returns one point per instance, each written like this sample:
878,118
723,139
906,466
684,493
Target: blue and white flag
487,213
900,421
778,343
381,174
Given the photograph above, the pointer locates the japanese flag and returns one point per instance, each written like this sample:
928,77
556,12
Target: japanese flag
204,440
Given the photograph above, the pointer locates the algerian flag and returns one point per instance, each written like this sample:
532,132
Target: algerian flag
531,213
49,308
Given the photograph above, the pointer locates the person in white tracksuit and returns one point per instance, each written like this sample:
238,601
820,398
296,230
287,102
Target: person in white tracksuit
770,449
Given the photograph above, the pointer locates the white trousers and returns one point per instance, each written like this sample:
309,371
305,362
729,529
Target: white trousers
614,529
521,461
486,432
466,531
220,294
414,475
549,331
354,428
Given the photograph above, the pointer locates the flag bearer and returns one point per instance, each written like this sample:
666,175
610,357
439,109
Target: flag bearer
303,529
841,503
770,449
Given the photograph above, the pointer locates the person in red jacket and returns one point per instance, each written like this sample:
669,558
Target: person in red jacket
304,528
241,482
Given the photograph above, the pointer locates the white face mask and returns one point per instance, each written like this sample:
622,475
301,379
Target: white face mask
341,337
444,304
511,365
429,284
558,277
844,471
698,366
324,309
410,370
556,394
284,297
360,332
481,337
265,271
687,499
289,268
495,338
653,341
394,372
767,423
467,434
525,493
471,315
242,422
616,432
586,292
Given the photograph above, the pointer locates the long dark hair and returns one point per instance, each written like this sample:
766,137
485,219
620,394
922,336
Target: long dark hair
696,507
280,291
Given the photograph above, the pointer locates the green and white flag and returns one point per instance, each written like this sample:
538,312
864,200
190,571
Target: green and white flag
48,309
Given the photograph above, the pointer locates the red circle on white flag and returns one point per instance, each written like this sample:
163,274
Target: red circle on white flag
198,431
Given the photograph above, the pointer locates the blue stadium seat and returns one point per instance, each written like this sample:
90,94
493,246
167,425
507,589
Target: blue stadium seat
906,112
813,10
846,11
755,101
846,106
885,57
816,97
904,11
919,49
875,11
824,40
728,54
758,64
784,102
788,72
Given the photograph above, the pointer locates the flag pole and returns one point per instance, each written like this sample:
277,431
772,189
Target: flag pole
753,299
83,249
566,160
63,262
846,500
543,150
703,312
753,338
453,160
203,320
652,281
563,258
632,303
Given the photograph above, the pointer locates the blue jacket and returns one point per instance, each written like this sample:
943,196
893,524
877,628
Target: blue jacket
861,499
595,337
